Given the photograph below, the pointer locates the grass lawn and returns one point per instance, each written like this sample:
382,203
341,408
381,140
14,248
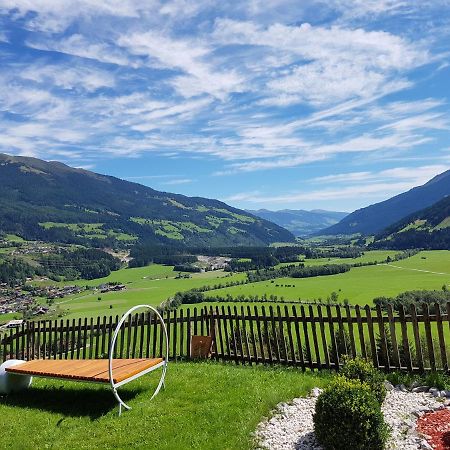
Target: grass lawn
204,406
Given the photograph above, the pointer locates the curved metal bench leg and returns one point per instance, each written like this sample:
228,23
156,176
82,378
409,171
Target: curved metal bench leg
161,382
111,354
121,402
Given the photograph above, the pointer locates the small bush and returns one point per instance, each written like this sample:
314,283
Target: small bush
363,370
402,378
348,415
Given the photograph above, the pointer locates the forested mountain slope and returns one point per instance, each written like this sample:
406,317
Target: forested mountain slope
54,202
428,228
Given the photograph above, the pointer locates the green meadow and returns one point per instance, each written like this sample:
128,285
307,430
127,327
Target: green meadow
155,283
371,256
152,285
426,270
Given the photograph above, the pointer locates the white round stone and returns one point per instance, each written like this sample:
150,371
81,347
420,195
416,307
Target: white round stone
11,382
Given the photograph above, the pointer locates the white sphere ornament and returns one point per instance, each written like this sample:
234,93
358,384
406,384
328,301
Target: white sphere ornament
12,382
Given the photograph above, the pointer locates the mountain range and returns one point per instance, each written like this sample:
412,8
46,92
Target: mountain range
54,202
300,222
375,218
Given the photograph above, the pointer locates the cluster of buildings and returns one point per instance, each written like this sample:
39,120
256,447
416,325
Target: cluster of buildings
18,300
14,300
53,292
34,247
213,262
109,287
22,299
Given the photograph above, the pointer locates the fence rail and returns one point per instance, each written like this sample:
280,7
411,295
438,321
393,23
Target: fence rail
306,336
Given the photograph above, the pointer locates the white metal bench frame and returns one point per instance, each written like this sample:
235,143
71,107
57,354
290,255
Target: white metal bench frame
163,364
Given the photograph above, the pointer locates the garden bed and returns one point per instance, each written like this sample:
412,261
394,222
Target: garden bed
291,426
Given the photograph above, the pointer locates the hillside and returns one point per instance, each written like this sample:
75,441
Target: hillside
428,228
54,202
375,218
300,222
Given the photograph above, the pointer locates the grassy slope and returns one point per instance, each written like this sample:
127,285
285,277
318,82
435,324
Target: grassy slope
205,406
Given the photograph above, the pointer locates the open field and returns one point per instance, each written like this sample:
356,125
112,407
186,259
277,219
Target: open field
89,230
209,405
370,256
144,285
155,283
361,285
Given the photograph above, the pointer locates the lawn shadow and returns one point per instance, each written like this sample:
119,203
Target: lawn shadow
69,401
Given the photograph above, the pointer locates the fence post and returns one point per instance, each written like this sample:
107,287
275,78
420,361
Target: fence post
392,330
373,347
405,340
441,337
415,324
429,338
212,332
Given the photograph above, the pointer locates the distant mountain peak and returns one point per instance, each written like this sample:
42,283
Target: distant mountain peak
299,221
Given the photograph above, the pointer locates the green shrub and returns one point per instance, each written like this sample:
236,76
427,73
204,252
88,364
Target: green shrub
348,415
402,378
363,370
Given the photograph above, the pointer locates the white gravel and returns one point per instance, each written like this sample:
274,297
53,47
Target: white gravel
291,426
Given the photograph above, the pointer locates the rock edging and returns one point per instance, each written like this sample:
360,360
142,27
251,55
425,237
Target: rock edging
291,425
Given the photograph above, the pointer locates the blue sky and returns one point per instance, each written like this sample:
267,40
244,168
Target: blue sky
263,104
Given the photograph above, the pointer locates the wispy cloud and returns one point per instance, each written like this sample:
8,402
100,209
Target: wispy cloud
178,181
352,185
245,87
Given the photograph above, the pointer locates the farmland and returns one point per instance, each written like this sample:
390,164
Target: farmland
155,283
361,284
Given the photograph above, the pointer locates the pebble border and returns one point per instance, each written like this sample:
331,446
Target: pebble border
291,426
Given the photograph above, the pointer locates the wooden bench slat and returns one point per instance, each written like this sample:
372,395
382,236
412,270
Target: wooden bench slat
94,370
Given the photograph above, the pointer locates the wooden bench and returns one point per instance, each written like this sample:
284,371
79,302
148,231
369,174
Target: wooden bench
90,370
115,372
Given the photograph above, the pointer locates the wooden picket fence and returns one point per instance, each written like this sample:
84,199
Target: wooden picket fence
306,336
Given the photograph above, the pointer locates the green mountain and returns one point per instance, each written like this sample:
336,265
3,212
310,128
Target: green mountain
300,222
375,218
54,202
428,228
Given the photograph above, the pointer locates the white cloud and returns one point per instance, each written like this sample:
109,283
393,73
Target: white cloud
378,190
431,121
69,77
414,176
78,45
352,186
56,15
187,56
178,181
331,64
